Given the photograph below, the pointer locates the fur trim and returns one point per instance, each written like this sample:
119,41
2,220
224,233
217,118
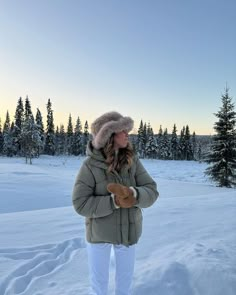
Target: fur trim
107,124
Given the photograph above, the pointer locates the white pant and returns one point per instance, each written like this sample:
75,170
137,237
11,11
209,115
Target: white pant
99,261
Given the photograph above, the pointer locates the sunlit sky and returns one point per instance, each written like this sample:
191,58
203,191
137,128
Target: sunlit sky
162,61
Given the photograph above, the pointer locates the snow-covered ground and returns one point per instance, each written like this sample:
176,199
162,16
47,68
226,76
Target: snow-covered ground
188,246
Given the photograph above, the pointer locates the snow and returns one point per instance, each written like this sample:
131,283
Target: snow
188,245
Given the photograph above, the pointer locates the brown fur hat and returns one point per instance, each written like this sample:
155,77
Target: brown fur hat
107,124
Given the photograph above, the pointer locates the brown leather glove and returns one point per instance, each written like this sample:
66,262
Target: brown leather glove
124,196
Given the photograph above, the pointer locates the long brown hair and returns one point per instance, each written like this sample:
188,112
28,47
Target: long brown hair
122,159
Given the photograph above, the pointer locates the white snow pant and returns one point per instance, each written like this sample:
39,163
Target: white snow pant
99,261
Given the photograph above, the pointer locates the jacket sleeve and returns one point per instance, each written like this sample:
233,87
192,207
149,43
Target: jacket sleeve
146,187
84,201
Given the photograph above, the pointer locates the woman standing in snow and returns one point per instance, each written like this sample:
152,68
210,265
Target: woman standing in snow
111,188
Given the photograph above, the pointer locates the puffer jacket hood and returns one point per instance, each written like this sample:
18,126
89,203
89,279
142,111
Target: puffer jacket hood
96,156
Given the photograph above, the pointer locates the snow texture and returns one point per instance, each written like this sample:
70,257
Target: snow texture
188,246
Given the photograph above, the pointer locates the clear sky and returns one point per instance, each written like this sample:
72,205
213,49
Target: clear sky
162,61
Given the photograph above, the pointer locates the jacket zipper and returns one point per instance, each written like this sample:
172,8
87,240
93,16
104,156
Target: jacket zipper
120,180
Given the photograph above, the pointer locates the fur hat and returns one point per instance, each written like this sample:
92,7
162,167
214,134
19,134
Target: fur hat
107,124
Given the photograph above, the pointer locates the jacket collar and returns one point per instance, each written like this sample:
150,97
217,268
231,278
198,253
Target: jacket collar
96,156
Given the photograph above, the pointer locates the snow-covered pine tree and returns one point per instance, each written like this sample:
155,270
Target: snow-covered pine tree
159,142
174,144
19,118
7,123
188,151
222,157
61,141
145,138
151,145
141,140
165,146
49,147
57,136
7,137
181,147
77,139
27,111
13,147
194,146
39,123
30,136
148,131
1,138
85,137
30,139
69,136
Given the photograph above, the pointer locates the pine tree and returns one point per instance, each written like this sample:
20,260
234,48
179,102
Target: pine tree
174,143
57,138
141,140
188,151
40,126
85,137
145,138
19,119
159,142
181,148
49,147
60,140
69,136
151,146
165,146
149,130
30,136
77,140
13,147
7,137
19,115
194,146
7,123
28,111
222,156
148,133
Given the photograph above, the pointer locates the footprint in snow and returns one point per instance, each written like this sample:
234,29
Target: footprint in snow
39,261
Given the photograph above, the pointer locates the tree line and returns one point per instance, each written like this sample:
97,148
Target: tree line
26,136
167,146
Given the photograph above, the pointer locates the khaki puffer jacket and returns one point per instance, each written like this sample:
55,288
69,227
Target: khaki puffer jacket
105,223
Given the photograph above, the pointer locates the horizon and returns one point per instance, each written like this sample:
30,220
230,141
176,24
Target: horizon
134,131
162,62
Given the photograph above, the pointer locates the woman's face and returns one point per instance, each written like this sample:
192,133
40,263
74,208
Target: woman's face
121,139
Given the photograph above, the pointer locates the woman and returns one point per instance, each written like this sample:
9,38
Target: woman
111,188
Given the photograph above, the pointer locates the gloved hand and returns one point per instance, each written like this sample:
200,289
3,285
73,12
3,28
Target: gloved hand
124,196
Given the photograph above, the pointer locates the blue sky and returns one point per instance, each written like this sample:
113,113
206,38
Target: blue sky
163,61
